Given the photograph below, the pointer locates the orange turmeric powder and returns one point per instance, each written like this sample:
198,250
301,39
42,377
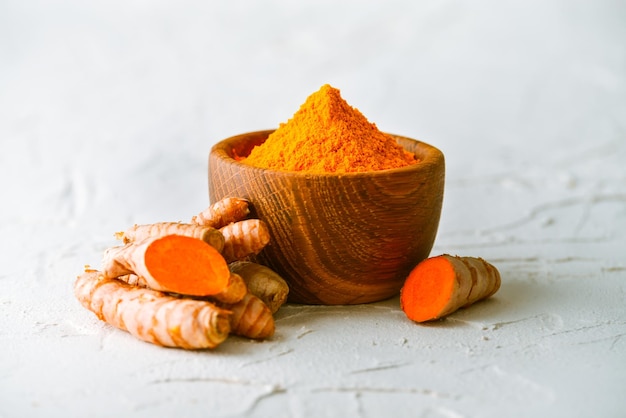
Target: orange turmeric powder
327,135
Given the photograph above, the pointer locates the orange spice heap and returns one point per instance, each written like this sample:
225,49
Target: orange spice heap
327,135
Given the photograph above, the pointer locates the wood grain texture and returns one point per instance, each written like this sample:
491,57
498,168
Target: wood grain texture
337,238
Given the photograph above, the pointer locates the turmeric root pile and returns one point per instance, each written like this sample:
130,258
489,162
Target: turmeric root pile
191,285
188,285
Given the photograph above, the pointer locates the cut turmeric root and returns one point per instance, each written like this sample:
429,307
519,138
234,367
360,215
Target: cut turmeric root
172,263
244,238
223,212
251,318
262,282
208,234
153,316
440,285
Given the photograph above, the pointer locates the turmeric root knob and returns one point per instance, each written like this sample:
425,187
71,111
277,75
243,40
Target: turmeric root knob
251,318
438,286
223,212
153,316
263,283
234,292
244,238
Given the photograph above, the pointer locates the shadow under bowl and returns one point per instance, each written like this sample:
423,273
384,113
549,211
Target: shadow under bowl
337,238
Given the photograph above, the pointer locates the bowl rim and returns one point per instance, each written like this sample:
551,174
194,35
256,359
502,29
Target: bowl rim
431,155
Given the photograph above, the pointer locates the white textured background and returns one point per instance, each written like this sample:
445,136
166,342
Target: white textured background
108,111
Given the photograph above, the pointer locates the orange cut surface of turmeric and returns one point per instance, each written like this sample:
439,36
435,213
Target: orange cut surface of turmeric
188,265
327,135
428,290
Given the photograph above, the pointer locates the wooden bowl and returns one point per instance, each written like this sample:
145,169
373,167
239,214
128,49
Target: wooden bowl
337,238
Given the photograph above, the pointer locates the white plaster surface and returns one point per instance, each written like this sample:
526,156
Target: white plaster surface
108,111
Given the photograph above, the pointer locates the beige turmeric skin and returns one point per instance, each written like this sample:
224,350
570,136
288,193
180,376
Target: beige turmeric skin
251,318
244,238
223,212
151,315
207,234
263,283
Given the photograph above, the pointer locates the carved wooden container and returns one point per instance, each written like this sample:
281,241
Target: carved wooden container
337,238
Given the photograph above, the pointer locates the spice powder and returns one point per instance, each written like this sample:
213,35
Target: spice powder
327,135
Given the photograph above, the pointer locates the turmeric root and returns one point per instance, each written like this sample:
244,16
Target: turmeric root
172,263
153,316
223,212
263,282
251,318
207,234
244,238
232,293
440,285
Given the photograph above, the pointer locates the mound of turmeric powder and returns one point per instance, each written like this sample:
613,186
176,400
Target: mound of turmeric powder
327,135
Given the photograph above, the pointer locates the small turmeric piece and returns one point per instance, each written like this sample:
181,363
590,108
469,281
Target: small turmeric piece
223,212
439,286
234,292
151,315
251,318
172,263
207,234
263,282
244,238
